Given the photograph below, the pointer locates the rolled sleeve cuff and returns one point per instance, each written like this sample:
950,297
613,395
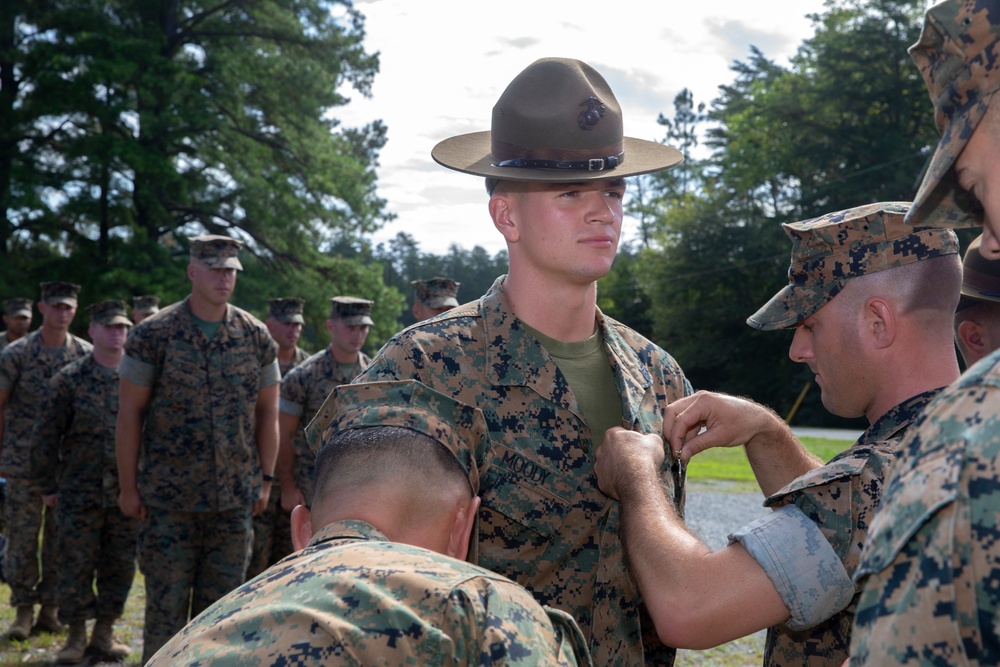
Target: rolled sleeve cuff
136,372
290,407
270,374
800,562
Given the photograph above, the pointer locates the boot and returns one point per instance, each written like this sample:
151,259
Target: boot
48,619
103,642
76,644
21,627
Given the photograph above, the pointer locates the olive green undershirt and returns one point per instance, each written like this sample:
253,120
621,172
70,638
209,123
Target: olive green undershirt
207,328
588,371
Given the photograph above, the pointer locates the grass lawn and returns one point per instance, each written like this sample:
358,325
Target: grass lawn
728,465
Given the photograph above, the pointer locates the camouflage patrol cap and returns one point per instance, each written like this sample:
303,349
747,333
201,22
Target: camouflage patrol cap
59,292
411,405
287,309
214,251
980,277
17,307
437,292
829,250
352,310
146,304
958,55
109,313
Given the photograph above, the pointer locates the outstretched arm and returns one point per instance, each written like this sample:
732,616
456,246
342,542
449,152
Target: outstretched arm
697,598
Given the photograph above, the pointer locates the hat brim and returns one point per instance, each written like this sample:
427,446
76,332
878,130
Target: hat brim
220,263
54,300
470,154
118,319
793,304
295,318
940,200
441,302
21,312
357,320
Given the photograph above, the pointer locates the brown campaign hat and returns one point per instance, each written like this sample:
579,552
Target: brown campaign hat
287,309
829,250
557,121
352,310
437,292
980,277
214,251
17,307
59,292
109,313
958,55
146,304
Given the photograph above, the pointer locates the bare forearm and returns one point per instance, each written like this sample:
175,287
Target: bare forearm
777,457
266,428
128,433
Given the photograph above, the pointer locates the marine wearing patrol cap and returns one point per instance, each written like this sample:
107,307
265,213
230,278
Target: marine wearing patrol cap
437,292
17,307
146,305
351,310
214,251
411,405
287,309
829,250
59,292
958,55
109,313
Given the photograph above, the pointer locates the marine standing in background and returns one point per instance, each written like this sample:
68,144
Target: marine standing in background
74,455
26,366
433,296
977,318
284,322
305,388
548,369
199,383
16,320
272,529
143,307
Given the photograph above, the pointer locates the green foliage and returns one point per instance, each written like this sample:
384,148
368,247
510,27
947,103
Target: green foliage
126,127
730,463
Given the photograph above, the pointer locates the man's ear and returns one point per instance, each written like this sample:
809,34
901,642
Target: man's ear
461,529
302,530
974,336
504,216
880,319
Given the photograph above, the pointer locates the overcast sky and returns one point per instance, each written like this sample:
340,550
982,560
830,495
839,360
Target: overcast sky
444,63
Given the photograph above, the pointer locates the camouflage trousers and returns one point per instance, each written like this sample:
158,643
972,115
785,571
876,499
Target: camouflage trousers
98,545
26,516
190,560
272,535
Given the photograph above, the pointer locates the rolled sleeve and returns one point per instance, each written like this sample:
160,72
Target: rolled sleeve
290,407
137,372
799,561
270,374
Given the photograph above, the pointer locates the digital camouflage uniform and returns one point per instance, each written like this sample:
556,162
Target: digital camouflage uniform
303,392
74,455
199,469
368,601
543,521
840,498
932,562
4,340
26,366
